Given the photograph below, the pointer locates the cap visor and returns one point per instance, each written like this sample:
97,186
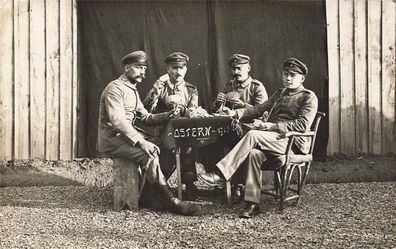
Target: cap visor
294,71
178,64
238,63
139,63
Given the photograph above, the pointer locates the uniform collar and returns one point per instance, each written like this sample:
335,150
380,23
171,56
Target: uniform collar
294,91
125,80
244,83
178,86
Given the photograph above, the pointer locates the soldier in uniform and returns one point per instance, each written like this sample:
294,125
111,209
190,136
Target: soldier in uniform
251,92
292,108
120,105
168,91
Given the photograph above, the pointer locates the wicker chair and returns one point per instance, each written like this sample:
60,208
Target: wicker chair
284,165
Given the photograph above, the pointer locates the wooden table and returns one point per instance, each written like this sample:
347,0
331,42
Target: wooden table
193,132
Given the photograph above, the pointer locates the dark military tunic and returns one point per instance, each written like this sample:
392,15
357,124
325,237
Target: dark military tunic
188,93
252,92
290,110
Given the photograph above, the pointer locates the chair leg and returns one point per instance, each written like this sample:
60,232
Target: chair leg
299,180
289,175
302,181
277,183
299,184
282,188
282,179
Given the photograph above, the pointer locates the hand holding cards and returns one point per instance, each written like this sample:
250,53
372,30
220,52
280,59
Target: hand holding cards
258,124
160,83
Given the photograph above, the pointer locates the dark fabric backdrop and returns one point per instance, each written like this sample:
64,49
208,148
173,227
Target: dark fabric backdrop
209,32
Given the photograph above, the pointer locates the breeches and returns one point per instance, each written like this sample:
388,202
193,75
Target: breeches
187,162
213,153
254,139
150,165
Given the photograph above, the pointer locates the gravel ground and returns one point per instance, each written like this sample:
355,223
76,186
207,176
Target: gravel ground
98,171
357,215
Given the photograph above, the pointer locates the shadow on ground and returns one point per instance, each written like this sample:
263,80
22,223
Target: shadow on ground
29,176
98,172
100,199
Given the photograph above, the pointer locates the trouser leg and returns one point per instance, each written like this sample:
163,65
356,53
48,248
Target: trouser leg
156,180
229,141
167,162
240,174
253,176
187,161
149,164
265,140
210,154
188,169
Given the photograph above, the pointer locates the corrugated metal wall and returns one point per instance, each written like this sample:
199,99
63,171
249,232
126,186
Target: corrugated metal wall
38,77
361,55
38,83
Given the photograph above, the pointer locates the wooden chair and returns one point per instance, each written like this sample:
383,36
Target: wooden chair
284,165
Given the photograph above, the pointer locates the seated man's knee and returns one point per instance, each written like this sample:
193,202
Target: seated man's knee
258,132
253,133
256,153
151,161
251,136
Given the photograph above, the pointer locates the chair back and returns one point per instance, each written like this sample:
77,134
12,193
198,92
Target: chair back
287,163
314,128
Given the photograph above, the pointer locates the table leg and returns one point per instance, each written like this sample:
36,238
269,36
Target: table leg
178,171
228,192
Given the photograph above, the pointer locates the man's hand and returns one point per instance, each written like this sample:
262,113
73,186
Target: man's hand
269,126
237,103
265,116
221,97
148,147
176,111
158,86
227,111
264,126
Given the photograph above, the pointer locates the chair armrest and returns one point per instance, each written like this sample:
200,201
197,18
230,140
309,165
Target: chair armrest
299,134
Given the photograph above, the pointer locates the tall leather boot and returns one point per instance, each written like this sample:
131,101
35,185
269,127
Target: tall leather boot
150,197
191,190
176,205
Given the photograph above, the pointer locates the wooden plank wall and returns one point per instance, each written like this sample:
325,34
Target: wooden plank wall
388,72
38,78
38,83
6,79
361,56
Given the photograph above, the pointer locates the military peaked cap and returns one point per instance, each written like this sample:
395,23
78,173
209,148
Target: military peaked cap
296,66
177,58
137,57
238,59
